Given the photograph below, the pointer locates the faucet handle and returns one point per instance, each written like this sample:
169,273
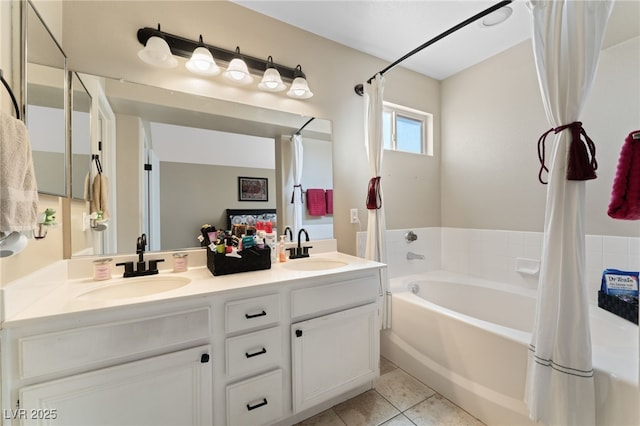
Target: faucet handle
153,264
128,268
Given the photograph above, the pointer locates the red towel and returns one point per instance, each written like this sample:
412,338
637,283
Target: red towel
316,203
625,195
329,195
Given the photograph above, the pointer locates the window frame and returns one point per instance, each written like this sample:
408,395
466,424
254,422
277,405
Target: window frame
425,118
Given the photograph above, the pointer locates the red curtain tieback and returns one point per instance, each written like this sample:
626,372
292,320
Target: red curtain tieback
374,199
581,164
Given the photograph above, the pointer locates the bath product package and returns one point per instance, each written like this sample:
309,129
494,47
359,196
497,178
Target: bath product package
619,283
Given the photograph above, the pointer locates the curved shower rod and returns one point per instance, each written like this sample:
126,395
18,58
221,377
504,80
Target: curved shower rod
359,88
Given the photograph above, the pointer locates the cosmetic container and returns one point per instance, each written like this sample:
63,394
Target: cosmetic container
102,269
179,262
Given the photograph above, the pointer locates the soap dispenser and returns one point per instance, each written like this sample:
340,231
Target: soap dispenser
282,253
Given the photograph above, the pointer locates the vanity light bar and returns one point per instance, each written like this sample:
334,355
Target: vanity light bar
184,47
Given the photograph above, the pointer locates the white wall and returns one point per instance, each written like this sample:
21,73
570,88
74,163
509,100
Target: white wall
332,71
492,118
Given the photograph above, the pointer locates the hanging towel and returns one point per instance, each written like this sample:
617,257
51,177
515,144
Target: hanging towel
316,203
100,200
329,199
625,195
18,187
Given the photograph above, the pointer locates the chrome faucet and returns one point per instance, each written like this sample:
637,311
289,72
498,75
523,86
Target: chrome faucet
414,256
141,267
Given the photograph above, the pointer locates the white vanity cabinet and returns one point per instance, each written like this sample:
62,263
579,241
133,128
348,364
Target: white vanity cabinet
127,370
171,389
334,352
253,353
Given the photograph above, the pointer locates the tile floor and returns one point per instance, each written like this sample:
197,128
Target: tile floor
398,399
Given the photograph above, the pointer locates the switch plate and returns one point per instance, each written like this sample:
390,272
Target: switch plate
354,216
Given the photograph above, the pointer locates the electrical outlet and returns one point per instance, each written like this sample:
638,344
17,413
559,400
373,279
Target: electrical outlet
354,216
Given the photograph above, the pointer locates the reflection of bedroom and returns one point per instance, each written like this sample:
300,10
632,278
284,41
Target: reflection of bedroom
198,179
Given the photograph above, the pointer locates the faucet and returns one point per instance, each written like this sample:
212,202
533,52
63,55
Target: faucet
288,230
141,268
414,256
301,251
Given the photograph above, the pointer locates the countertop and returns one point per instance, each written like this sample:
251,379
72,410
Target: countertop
65,297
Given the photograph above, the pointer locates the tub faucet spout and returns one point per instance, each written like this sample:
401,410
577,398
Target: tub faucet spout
414,256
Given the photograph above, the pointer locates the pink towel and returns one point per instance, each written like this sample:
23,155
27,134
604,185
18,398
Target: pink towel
329,195
625,195
316,203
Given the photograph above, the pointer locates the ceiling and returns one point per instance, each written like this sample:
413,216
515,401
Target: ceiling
389,29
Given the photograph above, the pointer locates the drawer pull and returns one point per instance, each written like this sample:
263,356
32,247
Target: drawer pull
260,404
204,358
263,351
261,314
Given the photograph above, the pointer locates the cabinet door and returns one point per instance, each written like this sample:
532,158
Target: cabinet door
172,389
333,354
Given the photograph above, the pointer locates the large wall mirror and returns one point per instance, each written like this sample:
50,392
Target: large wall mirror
174,160
46,85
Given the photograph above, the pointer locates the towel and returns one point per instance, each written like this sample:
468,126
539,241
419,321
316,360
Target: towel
100,199
625,194
316,202
18,187
329,198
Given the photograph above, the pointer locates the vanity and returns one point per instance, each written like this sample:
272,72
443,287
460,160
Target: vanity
265,347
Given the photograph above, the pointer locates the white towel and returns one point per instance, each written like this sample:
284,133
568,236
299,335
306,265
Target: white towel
100,200
18,188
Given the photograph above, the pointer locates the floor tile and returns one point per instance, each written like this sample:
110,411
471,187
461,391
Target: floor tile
326,418
399,420
386,366
402,390
440,411
366,409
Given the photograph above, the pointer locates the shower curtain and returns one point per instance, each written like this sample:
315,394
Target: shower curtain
376,227
296,197
567,38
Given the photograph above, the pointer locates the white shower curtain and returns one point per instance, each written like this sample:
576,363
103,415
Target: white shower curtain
376,227
296,197
567,38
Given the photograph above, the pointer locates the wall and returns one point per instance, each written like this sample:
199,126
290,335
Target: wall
492,118
194,194
332,71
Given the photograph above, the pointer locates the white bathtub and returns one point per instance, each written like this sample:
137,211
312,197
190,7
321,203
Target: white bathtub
467,338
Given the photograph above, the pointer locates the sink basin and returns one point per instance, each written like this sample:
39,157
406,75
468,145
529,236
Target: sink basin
135,287
314,264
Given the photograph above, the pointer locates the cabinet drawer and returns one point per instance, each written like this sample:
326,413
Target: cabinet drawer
334,297
87,346
254,351
256,401
250,313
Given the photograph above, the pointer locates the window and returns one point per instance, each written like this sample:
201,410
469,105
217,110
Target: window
407,130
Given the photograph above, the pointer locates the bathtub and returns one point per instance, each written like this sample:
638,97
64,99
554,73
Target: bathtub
467,338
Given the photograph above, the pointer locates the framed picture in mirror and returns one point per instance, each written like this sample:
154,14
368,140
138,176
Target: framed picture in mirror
253,189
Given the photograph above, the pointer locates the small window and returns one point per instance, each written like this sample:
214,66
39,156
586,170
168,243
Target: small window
407,130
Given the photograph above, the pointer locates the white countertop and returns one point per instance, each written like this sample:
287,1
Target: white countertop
63,297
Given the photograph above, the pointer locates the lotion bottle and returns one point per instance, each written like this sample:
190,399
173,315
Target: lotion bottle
282,253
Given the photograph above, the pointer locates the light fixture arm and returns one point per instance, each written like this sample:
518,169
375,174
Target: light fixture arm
184,47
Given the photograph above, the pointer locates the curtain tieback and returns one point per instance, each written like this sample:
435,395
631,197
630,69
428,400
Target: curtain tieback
581,164
374,199
293,194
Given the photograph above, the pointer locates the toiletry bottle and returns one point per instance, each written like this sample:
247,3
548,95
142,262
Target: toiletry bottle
282,253
270,240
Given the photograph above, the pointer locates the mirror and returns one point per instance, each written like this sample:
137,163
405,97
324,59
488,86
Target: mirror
196,149
46,82
81,138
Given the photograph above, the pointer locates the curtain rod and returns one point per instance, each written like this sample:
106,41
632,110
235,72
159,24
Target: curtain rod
304,125
359,89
